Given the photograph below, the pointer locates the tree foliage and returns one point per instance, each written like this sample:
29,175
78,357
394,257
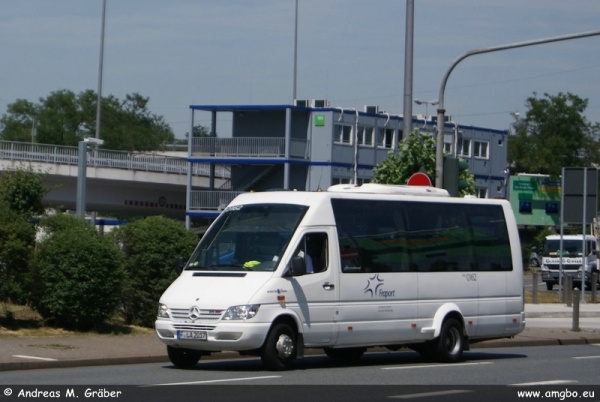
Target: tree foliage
17,240
417,152
77,274
23,190
553,134
64,118
151,246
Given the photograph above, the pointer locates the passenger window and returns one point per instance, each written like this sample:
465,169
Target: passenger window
313,248
405,236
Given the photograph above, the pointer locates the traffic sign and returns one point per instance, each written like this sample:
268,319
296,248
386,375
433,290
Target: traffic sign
419,179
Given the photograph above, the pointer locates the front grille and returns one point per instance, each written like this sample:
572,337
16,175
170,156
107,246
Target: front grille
205,315
565,267
194,327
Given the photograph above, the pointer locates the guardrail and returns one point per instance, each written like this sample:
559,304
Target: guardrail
59,154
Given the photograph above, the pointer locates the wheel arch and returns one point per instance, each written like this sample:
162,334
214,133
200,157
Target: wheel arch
447,310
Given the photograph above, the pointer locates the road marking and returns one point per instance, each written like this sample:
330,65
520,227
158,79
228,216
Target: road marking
552,382
35,358
435,365
213,381
587,357
428,394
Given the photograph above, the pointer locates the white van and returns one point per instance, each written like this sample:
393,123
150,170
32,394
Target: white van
344,270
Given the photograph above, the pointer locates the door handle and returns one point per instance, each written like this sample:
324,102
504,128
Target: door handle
328,286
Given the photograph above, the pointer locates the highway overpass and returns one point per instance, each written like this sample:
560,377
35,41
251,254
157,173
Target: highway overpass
124,183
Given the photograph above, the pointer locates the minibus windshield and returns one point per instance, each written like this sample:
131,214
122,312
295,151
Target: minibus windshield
247,238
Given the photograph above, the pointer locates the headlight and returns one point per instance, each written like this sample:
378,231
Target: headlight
163,311
241,312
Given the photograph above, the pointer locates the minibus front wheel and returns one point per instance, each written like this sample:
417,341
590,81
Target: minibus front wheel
280,347
183,358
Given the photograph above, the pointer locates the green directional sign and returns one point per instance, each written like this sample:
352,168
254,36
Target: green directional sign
535,200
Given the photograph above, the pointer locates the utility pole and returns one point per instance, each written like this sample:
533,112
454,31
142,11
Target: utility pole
408,68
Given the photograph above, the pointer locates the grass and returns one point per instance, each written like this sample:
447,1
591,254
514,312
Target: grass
21,321
543,297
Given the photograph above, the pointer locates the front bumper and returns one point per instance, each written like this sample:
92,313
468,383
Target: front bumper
553,276
233,335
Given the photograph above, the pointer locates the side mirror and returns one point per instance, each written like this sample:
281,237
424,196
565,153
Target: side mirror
298,266
179,264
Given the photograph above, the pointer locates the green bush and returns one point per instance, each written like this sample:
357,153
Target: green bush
151,246
77,274
17,240
23,189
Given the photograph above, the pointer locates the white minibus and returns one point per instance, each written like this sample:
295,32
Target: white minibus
344,270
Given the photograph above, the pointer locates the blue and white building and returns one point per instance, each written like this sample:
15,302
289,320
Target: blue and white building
312,145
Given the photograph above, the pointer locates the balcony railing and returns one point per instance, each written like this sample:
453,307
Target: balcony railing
248,147
211,200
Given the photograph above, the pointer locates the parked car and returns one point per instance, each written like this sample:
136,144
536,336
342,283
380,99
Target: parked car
534,260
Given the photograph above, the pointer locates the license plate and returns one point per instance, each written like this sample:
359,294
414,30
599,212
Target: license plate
198,335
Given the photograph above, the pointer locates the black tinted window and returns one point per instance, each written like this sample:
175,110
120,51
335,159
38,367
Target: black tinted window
393,236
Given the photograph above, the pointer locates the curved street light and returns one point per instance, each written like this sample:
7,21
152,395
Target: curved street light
439,163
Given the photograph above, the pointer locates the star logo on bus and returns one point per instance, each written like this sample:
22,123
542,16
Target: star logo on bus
373,284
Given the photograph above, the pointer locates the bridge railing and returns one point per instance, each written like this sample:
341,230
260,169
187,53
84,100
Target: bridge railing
59,154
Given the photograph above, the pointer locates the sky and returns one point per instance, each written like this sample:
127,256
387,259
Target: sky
351,52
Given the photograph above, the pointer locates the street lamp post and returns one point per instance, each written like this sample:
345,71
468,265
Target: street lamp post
82,173
439,159
426,103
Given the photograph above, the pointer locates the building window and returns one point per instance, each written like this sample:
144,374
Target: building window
365,136
480,149
343,134
340,180
448,148
464,147
481,192
386,138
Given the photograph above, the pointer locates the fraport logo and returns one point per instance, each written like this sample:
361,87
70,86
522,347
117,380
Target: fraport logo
374,288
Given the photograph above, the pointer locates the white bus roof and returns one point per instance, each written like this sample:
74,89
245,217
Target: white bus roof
374,188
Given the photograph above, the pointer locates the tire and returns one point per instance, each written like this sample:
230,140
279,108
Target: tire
534,263
448,348
279,351
183,358
549,285
347,354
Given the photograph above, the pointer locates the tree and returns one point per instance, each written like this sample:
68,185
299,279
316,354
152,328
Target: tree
21,194
64,118
132,127
17,240
23,190
76,277
553,134
19,123
151,246
416,153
